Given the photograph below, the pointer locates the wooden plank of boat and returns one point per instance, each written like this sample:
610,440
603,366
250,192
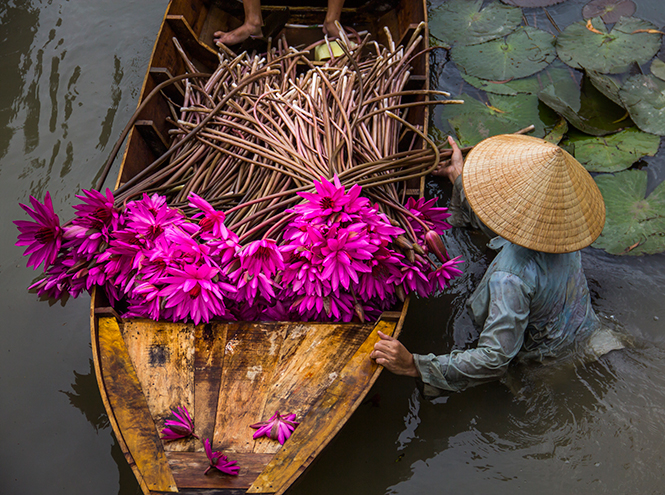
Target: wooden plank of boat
230,375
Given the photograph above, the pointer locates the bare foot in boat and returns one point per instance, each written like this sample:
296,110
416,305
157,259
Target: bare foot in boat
238,35
333,14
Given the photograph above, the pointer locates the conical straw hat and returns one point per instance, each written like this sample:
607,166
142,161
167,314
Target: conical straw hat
533,193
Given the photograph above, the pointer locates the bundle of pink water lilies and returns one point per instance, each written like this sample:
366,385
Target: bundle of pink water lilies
335,256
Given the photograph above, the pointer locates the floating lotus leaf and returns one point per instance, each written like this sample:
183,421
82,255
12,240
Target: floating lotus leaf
556,134
608,10
614,152
634,224
607,84
523,53
463,21
586,109
644,98
552,74
609,53
532,3
658,68
475,121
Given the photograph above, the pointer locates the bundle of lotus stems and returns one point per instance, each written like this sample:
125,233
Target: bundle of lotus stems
264,127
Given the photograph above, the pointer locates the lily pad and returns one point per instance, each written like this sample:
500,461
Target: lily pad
585,108
614,152
609,10
552,74
475,121
644,98
609,85
558,131
463,21
610,53
532,3
523,53
658,68
634,224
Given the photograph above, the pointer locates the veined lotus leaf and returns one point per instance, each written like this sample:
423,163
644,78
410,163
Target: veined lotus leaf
523,53
644,98
532,3
634,224
463,21
658,68
609,53
608,10
501,115
614,152
607,84
556,134
588,110
552,74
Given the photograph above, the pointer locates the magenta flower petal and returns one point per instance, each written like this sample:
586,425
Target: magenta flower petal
181,427
43,236
277,427
219,461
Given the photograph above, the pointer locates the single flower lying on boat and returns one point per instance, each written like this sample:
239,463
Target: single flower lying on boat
277,427
219,461
181,427
338,257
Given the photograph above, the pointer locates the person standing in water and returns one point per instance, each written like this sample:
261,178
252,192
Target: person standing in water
541,207
254,22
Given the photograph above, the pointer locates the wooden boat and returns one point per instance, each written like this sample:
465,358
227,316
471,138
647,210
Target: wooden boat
230,375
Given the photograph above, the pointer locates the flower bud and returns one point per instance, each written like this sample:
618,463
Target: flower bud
435,245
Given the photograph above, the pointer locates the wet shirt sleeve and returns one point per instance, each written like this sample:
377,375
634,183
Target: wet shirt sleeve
500,340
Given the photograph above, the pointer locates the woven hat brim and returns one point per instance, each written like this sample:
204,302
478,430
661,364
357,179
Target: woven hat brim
533,193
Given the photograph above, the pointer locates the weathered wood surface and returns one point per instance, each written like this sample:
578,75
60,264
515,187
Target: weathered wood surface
130,408
188,469
163,356
324,419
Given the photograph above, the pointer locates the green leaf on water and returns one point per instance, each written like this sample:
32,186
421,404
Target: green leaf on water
463,21
523,53
585,108
475,121
614,152
558,131
644,98
607,84
658,68
609,10
635,224
609,53
533,3
552,74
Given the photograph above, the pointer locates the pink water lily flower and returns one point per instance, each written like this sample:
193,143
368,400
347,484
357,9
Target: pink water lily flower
277,427
219,461
181,427
213,220
43,236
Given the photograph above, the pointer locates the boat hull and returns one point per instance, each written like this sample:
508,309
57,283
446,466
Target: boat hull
231,375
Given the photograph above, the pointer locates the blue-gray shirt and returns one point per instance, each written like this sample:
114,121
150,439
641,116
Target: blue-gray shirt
529,304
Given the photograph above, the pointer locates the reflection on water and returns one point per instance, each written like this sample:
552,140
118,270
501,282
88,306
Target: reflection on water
72,69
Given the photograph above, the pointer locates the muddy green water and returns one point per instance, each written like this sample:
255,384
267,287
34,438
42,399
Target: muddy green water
70,73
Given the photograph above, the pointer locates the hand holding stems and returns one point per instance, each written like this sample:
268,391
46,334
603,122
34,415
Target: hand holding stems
451,168
392,355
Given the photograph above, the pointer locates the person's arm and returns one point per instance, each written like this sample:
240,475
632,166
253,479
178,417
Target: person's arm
500,341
